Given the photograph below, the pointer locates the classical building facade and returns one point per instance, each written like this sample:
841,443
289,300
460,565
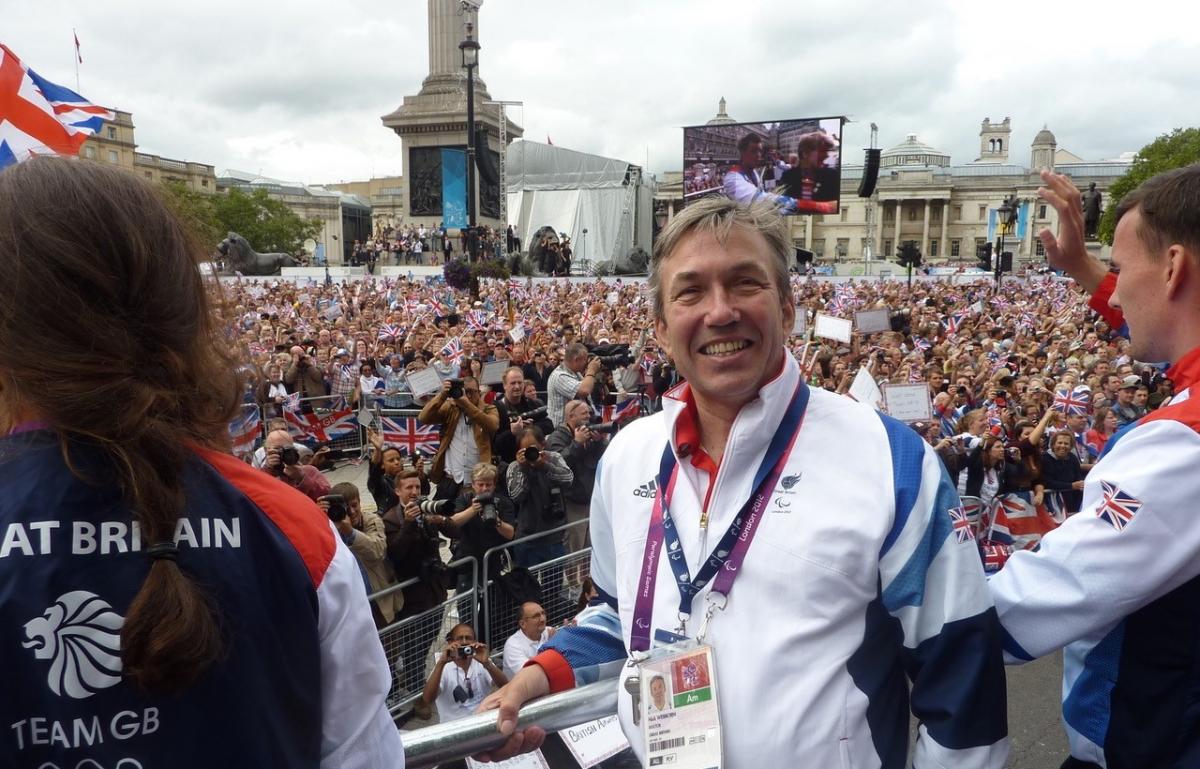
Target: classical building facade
115,144
386,195
436,119
923,198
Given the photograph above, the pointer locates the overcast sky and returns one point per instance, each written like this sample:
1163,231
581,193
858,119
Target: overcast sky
295,90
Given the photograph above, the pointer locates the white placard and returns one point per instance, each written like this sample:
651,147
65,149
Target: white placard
908,402
864,389
493,372
333,312
517,333
873,321
800,324
424,382
365,417
612,298
830,327
595,741
534,760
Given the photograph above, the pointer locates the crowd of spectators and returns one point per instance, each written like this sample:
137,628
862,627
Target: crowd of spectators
421,245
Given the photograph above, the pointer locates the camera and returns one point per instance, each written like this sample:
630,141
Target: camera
533,415
532,453
429,506
487,508
466,651
337,507
611,355
604,428
456,389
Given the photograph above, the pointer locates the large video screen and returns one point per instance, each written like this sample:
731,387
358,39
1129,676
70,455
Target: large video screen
796,164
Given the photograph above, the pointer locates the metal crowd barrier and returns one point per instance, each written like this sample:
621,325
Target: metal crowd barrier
560,579
411,644
453,740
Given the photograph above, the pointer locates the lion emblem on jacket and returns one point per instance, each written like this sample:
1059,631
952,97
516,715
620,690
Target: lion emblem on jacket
81,636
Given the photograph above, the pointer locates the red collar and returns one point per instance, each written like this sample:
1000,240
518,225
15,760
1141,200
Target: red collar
1186,371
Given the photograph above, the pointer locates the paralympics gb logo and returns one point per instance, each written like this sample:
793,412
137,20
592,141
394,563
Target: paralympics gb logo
81,635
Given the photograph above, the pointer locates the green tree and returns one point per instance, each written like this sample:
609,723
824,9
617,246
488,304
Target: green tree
1178,148
197,211
268,225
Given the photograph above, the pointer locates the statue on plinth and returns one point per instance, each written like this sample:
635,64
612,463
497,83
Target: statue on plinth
1092,208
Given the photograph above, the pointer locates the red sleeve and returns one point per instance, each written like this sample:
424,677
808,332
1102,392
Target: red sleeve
1099,302
557,670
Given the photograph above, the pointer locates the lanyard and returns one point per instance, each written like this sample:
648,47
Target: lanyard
726,559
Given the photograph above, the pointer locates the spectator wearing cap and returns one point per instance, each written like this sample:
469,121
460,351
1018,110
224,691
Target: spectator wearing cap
1125,409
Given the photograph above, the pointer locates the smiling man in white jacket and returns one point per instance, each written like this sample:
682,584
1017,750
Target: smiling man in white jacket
861,577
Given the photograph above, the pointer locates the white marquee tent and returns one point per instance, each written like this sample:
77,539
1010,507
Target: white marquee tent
573,191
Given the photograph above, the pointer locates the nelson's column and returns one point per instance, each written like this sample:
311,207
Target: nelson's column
432,127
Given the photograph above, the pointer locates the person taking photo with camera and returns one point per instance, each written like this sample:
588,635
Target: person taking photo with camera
517,411
463,676
537,482
364,534
483,520
283,462
468,425
581,446
575,378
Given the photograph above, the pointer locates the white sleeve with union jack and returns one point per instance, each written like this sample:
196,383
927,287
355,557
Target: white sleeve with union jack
1134,540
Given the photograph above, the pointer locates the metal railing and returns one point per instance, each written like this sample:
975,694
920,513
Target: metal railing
560,578
453,740
408,643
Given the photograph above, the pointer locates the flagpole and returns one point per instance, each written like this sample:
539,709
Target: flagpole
75,37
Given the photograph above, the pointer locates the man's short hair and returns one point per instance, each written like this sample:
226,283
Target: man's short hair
484,471
574,350
347,490
1168,204
814,140
406,473
720,216
747,140
509,370
521,609
571,405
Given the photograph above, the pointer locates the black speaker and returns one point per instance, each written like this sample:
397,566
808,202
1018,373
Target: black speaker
866,185
1006,260
804,256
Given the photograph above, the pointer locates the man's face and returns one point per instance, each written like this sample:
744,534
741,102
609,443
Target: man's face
408,489
483,485
752,156
658,690
1141,289
533,620
936,379
539,360
514,386
578,415
723,321
1140,397
1077,423
578,363
1125,396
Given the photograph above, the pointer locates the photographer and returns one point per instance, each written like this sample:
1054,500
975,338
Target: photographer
386,464
468,425
305,378
363,533
574,379
413,547
283,462
581,447
463,676
516,411
483,520
537,482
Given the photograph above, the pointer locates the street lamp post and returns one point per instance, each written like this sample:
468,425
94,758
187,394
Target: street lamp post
1007,217
470,60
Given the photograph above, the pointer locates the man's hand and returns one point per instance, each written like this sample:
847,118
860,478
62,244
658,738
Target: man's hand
593,367
529,683
272,461
582,435
411,512
1067,252
344,526
293,473
445,391
517,426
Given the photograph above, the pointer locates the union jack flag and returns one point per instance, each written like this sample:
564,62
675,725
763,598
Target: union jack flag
334,425
972,508
543,313
922,344
477,320
1117,507
1055,507
647,365
453,349
954,322
1018,522
1075,402
291,401
393,332
994,555
838,305
246,430
38,117
626,409
410,436
962,525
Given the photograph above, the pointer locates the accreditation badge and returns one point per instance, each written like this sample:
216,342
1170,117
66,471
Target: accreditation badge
681,728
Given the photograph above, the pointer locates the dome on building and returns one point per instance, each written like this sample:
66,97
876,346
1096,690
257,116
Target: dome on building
913,152
721,118
1044,137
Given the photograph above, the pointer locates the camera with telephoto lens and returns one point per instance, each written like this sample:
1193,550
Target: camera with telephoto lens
456,389
611,356
533,415
487,508
337,507
605,428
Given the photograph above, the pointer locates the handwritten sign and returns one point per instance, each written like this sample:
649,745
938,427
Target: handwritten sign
533,760
873,321
594,741
800,325
493,372
829,327
908,402
424,382
517,333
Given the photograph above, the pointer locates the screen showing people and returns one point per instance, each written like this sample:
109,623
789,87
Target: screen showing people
796,164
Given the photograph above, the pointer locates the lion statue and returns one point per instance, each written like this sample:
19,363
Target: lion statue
635,262
238,256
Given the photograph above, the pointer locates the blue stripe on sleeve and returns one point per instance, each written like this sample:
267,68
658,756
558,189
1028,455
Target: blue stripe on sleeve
1015,649
595,641
908,452
1088,706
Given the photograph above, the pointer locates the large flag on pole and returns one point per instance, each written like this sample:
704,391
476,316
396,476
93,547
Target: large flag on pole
38,117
